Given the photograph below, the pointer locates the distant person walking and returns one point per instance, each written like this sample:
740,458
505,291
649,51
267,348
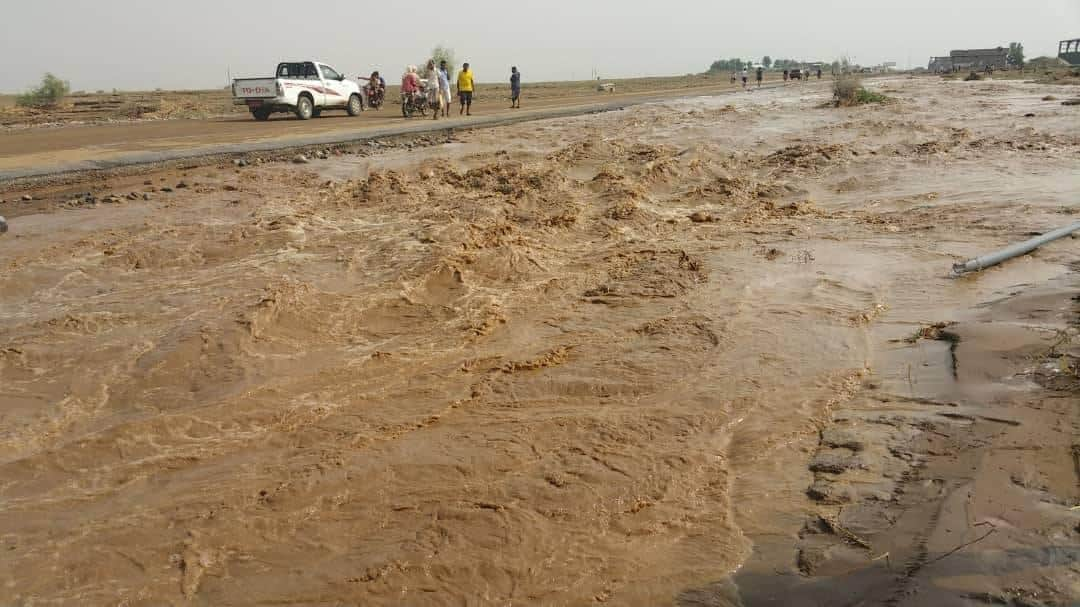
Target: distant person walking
760,75
819,73
465,86
733,77
444,88
431,89
785,75
745,78
515,88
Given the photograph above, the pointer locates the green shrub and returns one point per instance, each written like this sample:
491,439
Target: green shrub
864,96
848,91
49,94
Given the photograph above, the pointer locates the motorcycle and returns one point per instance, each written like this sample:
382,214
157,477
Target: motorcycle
414,103
374,96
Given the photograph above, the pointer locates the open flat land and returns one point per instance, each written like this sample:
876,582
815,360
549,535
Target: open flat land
698,352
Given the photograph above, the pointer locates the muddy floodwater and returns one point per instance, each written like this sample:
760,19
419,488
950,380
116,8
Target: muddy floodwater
699,353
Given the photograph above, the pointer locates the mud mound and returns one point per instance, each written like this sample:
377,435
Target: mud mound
767,211
387,186
807,157
737,190
647,274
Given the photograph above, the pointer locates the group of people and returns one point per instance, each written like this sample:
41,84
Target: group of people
759,75
436,87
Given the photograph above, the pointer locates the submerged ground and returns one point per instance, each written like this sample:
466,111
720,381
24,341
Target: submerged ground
510,369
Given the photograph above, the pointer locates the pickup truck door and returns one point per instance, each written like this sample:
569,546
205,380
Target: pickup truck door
313,84
336,92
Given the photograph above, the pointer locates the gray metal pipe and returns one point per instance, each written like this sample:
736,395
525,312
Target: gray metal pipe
993,259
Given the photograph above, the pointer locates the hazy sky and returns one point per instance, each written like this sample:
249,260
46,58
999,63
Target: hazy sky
145,44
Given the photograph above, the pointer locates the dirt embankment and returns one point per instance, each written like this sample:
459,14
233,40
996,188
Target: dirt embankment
698,353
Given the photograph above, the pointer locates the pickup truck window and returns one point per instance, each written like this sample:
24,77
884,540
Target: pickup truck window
329,73
304,71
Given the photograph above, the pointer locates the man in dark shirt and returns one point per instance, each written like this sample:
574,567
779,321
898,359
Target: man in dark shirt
515,88
760,74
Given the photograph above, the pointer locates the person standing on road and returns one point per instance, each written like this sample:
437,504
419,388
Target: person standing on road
819,73
515,88
465,87
744,78
431,89
785,75
760,75
444,88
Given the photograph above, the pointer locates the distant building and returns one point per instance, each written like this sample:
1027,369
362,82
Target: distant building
980,58
1069,51
940,65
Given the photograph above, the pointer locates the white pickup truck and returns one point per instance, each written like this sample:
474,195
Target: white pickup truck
305,88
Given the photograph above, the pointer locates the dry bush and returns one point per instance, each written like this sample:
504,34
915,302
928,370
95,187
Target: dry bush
845,89
848,91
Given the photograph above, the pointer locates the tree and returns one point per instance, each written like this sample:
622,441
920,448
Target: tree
726,65
1016,54
766,61
442,53
49,94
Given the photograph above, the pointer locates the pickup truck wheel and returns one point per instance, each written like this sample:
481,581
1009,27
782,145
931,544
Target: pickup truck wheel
356,105
261,113
305,109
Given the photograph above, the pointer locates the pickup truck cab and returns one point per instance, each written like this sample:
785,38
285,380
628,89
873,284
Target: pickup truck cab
305,88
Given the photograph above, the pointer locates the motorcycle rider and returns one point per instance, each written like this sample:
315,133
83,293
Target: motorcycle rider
375,89
410,82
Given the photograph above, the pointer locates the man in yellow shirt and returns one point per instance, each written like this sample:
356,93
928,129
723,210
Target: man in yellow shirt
465,89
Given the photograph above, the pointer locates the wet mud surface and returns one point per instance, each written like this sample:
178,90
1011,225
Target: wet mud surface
703,352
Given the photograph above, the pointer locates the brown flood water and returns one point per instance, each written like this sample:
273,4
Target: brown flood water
511,371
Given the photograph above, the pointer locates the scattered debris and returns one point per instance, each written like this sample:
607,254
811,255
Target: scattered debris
837,529
700,217
773,254
934,332
27,198
300,159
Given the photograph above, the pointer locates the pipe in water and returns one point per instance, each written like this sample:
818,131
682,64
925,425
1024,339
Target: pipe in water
986,261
